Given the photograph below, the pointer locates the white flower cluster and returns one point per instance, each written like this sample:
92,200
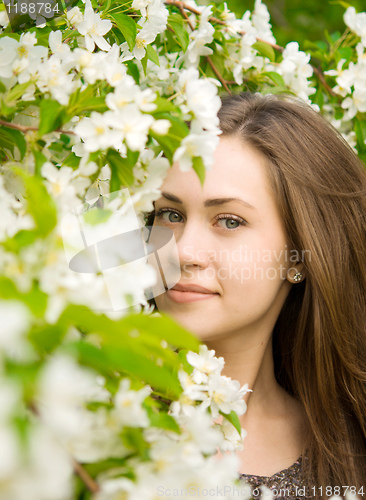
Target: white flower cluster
91,26
199,100
351,83
153,21
253,27
200,38
63,429
179,461
205,388
296,71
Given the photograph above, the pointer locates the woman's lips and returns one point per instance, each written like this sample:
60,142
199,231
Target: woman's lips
183,297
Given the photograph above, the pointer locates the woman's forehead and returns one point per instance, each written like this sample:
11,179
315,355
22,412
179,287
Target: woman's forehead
237,172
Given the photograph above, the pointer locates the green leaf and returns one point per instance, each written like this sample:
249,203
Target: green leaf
144,369
233,419
144,63
199,168
265,50
152,55
40,204
171,141
51,116
133,438
10,137
20,240
276,78
40,159
47,337
94,217
345,5
16,92
6,139
163,106
121,168
2,88
175,21
163,328
163,421
35,299
127,26
80,102
359,133
72,160
133,71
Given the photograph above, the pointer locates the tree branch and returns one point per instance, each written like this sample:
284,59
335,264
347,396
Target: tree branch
319,73
25,128
85,477
181,6
216,71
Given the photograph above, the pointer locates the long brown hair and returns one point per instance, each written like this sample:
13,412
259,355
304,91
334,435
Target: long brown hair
319,340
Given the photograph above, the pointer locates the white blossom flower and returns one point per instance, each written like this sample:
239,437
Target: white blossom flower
64,388
124,93
15,321
132,125
53,77
226,395
128,405
201,38
46,471
143,38
201,99
94,28
112,67
233,440
97,132
156,16
260,20
296,70
74,17
354,104
356,23
205,364
8,54
100,186
194,145
4,19
56,45
141,6
58,183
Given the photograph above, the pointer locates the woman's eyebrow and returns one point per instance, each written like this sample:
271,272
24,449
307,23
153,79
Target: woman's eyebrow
207,203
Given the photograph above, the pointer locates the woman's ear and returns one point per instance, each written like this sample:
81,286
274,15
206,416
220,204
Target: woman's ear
296,273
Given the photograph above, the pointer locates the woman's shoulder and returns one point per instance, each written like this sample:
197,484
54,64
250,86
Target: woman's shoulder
287,484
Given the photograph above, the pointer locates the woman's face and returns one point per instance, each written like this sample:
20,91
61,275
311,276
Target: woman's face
237,249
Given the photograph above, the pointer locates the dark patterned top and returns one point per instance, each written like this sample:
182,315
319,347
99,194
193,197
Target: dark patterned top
288,484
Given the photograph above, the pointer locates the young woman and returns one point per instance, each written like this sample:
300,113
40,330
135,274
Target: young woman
272,252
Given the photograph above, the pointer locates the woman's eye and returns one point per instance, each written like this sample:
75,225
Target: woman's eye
168,215
231,222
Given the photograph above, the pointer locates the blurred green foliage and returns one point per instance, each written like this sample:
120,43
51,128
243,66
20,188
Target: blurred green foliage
298,19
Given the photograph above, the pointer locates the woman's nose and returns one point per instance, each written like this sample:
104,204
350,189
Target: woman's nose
192,247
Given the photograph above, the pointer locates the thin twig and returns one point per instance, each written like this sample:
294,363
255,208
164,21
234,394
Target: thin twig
319,73
184,14
26,128
217,73
85,477
183,6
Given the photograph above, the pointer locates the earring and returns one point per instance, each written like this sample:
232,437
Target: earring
297,277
